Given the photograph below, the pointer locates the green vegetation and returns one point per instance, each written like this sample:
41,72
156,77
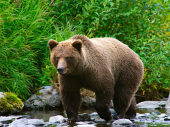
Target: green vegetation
10,103
26,27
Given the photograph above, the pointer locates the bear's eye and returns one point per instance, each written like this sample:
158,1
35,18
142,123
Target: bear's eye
57,58
68,58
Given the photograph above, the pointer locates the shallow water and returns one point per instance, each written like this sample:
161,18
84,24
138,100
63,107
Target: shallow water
46,114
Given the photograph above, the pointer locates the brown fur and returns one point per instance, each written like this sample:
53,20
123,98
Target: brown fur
104,65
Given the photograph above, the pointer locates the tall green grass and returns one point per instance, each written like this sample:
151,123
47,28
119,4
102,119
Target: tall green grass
25,28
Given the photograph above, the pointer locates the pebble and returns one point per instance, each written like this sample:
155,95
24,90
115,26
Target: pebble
37,122
57,119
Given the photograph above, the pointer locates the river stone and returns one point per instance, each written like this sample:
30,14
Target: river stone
47,96
162,115
100,121
151,105
86,125
38,103
20,123
5,120
37,122
57,119
94,114
139,116
122,121
54,100
88,102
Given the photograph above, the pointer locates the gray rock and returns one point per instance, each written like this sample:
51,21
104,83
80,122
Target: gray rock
57,119
147,115
151,105
54,100
162,115
94,114
100,121
88,101
37,122
47,96
20,123
5,120
122,122
139,116
82,124
38,103
13,117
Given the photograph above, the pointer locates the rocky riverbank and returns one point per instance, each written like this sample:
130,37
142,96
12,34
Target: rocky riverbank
152,118
47,97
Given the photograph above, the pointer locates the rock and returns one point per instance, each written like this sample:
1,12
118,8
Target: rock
151,105
27,123
38,103
57,119
5,120
122,122
163,115
147,115
84,117
54,100
86,125
10,103
139,116
20,123
100,121
81,123
94,114
37,122
47,96
167,119
15,117
114,114
88,102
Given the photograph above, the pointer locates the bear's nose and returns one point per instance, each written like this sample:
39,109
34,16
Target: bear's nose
60,70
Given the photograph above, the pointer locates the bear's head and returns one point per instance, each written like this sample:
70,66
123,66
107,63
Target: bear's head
66,55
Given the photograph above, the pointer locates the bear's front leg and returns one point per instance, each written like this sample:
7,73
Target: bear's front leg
103,100
71,98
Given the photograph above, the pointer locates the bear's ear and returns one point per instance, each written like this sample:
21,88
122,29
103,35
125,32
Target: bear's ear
77,44
52,43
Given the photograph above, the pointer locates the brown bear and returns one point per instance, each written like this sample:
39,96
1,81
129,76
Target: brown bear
104,65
